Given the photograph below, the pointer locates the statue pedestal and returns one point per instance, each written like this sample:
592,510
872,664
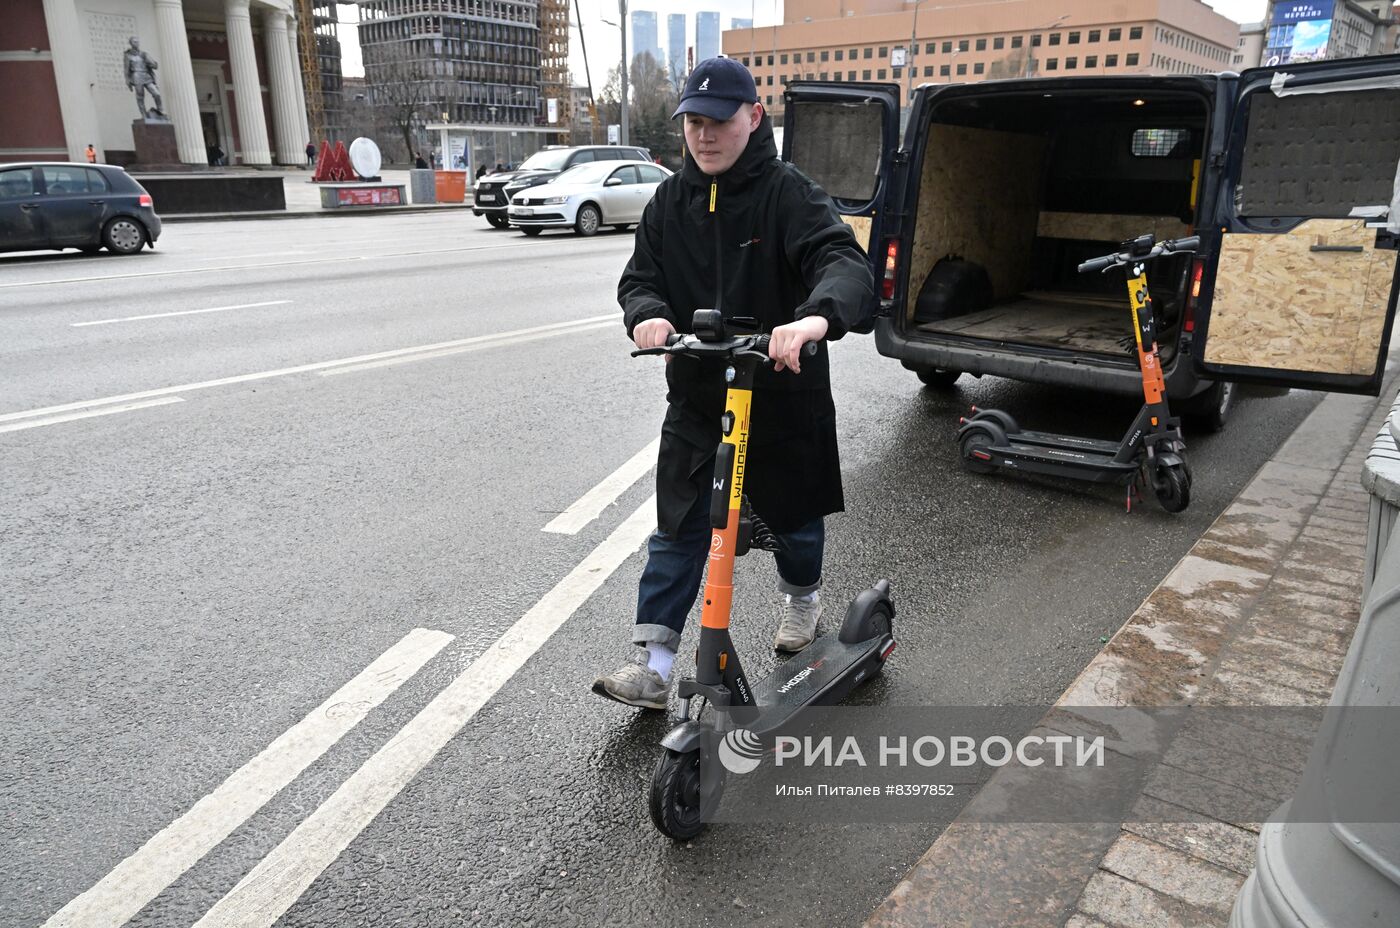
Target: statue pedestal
155,146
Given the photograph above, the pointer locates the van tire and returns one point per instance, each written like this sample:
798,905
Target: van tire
937,377
1209,411
953,288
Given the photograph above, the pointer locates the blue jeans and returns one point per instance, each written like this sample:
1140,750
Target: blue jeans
671,579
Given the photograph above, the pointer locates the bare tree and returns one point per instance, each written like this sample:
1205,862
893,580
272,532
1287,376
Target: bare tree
399,89
653,102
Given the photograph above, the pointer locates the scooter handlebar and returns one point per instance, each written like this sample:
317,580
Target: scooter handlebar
1167,247
678,343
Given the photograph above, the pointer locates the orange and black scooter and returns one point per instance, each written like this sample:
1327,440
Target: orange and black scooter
687,782
1152,451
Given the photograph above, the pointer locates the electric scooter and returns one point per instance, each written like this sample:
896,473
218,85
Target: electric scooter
1152,450
685,787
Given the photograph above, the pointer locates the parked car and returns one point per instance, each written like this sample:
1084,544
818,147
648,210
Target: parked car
85,206
493,192
588,197
976,220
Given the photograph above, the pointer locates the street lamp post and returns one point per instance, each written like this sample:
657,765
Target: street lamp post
913,43
1030,42
622,25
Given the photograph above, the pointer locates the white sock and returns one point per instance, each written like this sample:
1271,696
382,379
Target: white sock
806,598
660,658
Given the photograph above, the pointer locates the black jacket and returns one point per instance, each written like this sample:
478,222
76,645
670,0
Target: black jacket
774,248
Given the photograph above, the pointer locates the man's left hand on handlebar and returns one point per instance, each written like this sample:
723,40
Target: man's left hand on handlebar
785,344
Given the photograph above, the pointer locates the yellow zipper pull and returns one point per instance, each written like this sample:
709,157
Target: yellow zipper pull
714,189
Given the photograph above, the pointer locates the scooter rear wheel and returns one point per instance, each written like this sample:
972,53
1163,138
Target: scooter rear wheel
1172,485
974,441
674,797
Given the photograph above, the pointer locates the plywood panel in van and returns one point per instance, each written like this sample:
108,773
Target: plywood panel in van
1109,227
1268,311
979,197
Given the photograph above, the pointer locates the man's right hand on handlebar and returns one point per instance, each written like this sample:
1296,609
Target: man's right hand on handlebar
652,333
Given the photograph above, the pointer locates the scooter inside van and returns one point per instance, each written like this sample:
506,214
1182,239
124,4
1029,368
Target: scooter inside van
1015,189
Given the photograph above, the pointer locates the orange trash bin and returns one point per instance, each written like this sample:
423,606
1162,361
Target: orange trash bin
451,186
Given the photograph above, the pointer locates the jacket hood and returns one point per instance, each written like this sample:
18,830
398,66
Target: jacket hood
758,154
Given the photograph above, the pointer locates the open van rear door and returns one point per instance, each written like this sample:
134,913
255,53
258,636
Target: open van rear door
844,136
1302,291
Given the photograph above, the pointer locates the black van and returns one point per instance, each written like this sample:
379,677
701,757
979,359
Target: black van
976,223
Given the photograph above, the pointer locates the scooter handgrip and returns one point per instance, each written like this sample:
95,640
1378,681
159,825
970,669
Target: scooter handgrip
1098,264
1190,243
673,338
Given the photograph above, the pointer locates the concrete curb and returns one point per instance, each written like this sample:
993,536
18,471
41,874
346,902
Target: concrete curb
1259,612
316,214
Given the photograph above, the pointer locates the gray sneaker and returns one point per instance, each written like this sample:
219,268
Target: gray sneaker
799,622
634,683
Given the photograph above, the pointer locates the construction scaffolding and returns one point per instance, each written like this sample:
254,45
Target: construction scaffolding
311,69
554,65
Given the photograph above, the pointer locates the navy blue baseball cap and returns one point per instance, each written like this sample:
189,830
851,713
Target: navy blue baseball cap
716,88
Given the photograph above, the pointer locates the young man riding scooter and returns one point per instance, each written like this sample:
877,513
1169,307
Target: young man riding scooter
742,232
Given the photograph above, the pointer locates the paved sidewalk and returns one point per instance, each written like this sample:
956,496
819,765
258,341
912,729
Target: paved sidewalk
1259,613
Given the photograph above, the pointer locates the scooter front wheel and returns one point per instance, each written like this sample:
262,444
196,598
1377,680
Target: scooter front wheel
675,795
1172,485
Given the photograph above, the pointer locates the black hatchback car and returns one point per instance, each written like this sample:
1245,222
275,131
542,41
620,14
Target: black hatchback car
85,206
493,192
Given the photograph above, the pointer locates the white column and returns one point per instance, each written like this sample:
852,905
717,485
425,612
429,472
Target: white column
285,127
68,46
247,92
303,128
177,86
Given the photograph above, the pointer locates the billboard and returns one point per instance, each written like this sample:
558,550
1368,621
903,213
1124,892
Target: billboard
1298,31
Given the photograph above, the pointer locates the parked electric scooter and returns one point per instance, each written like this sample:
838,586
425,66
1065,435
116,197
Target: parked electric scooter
1151,451
685,790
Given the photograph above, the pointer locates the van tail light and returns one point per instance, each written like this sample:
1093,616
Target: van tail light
891,262
146,200
1188,321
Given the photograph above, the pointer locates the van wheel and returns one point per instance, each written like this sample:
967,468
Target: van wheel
938,377
498,222
530,232
1209,411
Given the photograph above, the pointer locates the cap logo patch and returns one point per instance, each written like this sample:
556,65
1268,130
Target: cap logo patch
705,84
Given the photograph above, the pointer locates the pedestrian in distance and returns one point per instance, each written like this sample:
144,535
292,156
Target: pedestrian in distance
418,161
498,168
310,154
786,259
91,154
480,171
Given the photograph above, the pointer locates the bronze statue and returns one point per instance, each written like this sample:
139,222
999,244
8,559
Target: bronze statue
140,71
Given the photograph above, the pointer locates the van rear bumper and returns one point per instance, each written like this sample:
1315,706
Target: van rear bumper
1082,373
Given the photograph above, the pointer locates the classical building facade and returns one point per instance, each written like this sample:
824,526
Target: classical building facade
972,40
229,75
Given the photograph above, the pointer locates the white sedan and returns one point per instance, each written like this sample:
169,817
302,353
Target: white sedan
587,197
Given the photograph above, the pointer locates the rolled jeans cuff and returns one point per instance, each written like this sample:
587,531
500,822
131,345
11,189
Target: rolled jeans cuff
645,634
792,589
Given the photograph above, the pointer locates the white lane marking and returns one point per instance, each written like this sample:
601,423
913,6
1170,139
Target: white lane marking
588,506
486,342
271,887
174,849
183,312
338,259
87,414
560,328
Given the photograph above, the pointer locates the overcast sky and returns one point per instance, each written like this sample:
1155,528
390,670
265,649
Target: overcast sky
604,44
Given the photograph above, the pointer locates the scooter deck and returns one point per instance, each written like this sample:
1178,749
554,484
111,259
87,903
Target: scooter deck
821,674
1066,442
1064,462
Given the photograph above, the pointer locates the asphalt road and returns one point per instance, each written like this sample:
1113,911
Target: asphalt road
370,441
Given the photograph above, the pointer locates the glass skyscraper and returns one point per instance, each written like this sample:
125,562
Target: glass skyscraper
644,36
706,35
675,45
